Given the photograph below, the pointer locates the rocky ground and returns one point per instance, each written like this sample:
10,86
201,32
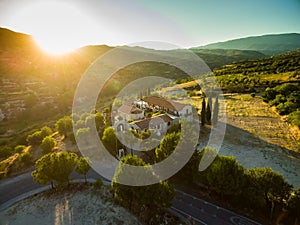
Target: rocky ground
71,207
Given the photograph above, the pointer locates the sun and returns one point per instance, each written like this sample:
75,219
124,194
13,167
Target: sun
54,45
58,27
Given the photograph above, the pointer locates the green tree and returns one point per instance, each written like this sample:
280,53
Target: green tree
75,117
46,131
226,176
89,120
79,124
65,163
25,159
294,205
294,118
83,167
84,115
208,111
19,148
155,195
5,151
83,133
215,112
167,146
44,173
190,169
110,141
55,166
48,144
128,138
98,183
100,122
203,110
201,177
35,138
64,126
271,186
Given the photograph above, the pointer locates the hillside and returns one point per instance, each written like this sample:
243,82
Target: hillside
282,63
29,77
267,44
218,57
276,78
256,75
37,88
13,40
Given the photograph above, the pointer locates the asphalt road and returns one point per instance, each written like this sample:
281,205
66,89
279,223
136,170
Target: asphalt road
200,211
203,212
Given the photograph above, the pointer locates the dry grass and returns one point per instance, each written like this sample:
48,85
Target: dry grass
243,105
11,166
282,76
256,117
7,164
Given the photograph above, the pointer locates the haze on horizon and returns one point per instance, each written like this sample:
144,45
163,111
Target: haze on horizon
69,24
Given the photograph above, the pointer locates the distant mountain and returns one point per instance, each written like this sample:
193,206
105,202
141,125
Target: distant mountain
272,44
216,58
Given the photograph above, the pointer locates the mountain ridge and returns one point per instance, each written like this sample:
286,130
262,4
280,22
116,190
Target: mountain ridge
269,44
15,45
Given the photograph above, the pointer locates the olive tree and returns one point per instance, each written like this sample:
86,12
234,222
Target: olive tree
55,166
83,167
155,195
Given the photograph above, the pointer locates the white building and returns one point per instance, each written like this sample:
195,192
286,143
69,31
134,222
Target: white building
159,124
129,112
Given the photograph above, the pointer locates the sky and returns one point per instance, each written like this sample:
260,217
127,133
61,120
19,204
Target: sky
62,25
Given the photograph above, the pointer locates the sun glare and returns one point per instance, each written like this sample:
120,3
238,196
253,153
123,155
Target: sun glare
57,27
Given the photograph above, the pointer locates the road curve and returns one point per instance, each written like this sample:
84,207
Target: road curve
200,211
205,213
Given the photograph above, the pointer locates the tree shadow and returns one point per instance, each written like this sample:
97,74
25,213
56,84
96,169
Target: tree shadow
252,151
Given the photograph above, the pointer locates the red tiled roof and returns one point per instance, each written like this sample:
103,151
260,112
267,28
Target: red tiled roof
144,124
129,109
161,102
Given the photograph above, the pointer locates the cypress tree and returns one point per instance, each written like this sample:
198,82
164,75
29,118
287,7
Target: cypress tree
208,111
216,111
203,112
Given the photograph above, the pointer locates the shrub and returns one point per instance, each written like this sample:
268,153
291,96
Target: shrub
286,108
46,131
294,118
83,132
79,124
286,89
19,148
269,94
64,125
25,158
35,138
5,151
98,184
84,115
48,144
278,99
